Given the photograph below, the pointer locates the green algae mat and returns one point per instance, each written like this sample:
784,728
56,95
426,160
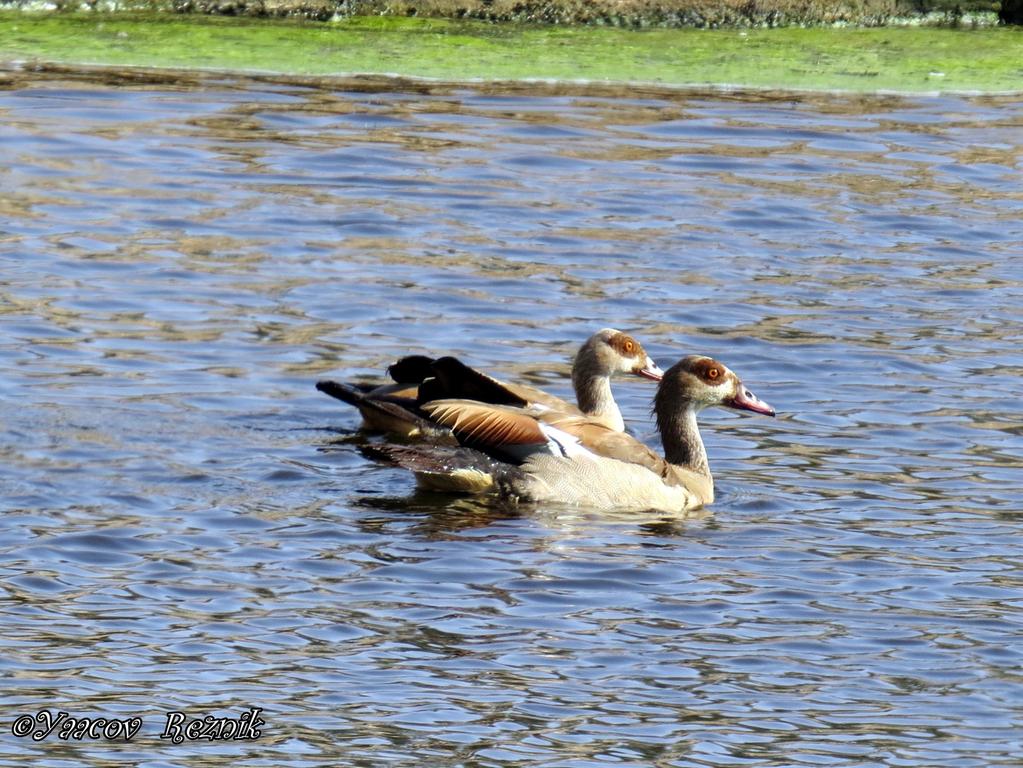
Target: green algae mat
911,59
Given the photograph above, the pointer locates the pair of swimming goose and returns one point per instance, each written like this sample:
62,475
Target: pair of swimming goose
531,446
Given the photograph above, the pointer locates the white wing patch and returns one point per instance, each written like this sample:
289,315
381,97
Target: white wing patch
561,443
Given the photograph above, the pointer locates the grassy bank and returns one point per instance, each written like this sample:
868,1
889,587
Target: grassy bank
855,59
635,14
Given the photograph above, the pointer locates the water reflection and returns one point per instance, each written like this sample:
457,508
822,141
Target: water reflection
189,525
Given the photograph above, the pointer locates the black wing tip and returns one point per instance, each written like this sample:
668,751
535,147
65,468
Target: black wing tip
341,391
459,380
411,369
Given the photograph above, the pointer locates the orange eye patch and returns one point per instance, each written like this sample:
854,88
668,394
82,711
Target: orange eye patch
710,371
625,345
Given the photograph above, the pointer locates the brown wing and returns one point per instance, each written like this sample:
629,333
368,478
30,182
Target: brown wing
487,426
604,441
387,408
499,428
539,397
395,392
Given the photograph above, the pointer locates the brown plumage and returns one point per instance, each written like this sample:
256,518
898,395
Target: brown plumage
419,380
552,456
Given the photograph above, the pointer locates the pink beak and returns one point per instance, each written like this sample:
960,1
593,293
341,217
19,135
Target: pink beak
649,371
745,400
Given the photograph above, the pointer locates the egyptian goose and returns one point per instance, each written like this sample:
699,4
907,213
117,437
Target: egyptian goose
396,407
546,456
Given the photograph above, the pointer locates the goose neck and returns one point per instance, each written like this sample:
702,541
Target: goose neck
680,435
593,394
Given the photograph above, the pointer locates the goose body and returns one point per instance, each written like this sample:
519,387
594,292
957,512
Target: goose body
397,407
534,455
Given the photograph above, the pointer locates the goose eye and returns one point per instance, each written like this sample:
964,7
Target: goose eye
713,374
629,345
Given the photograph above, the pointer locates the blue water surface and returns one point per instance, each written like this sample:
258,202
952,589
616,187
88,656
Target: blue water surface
189,526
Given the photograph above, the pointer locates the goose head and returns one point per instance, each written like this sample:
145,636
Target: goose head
609,351
697,382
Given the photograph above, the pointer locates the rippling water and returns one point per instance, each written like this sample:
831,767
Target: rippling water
188,525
